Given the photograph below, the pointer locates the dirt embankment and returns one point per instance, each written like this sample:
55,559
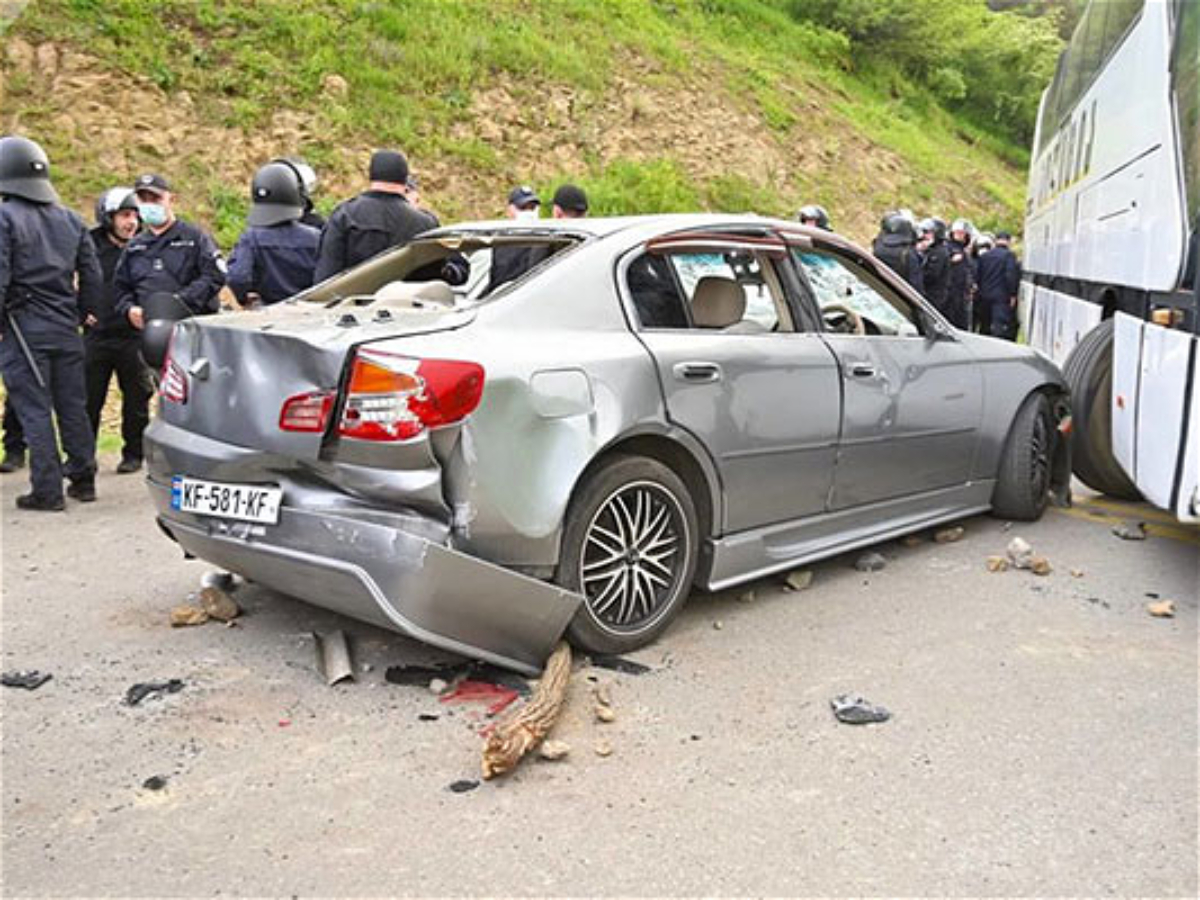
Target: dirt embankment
111,125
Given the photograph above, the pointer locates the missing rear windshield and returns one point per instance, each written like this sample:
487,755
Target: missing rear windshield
449,271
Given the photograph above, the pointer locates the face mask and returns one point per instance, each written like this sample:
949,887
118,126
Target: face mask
527,215
153,214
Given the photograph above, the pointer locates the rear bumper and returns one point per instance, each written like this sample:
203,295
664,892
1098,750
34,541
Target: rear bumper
391,571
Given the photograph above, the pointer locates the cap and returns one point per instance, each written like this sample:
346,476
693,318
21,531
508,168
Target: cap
571,198
389,166
523,196
1003,236
155,184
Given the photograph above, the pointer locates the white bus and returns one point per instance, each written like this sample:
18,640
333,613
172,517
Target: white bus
1109,290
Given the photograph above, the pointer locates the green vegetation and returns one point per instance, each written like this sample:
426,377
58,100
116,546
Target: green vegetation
945,86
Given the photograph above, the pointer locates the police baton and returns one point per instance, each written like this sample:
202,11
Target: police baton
16,330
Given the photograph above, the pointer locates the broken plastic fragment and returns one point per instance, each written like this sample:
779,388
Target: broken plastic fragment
854,709
463,785
140,691
30,679
1130,531
333,656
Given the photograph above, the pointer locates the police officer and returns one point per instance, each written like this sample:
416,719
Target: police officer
935,265
14,440
112,344
895,245
170,256
981,243
570,202
379,218
49,281
308,184
814,216
511,261
999,280
960,275
276,255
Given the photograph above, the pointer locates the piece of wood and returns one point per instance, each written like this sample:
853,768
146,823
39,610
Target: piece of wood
524,729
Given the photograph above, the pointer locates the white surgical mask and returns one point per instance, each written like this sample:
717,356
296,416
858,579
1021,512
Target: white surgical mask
527,215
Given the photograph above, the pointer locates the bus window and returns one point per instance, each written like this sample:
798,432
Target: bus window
1121,14
1185,65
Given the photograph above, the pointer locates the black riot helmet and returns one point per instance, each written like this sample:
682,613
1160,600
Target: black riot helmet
112,201
899,223
25,170
276,195
306,174
934,226
816,214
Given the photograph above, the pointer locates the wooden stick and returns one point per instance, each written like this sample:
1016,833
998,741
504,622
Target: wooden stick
525,728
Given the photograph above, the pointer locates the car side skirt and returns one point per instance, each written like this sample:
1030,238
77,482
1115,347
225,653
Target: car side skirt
748,555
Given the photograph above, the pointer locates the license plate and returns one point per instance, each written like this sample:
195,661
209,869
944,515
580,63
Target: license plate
244,502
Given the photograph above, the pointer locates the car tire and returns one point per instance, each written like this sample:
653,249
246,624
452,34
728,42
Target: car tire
1023,483
1088,373
630,545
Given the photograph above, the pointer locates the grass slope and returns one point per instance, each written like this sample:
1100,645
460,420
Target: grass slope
587,85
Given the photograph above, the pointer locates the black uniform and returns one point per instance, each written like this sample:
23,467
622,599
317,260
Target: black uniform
898,252
44,248
999,280
273,261
183,260
114,345
512,261
367,225
960,284
935,272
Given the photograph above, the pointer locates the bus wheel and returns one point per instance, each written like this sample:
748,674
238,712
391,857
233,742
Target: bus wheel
1088,371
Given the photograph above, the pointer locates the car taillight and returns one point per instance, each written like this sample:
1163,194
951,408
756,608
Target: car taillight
173,384
394,398
306,412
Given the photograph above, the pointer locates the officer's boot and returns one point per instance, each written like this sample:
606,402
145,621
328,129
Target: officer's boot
83,488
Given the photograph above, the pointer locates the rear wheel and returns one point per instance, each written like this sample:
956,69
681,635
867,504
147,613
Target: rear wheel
1088,372
629,547
1023,482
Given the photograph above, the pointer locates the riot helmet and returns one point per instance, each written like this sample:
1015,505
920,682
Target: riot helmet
898,223
817,214
112,200
935,226
25,170
276,195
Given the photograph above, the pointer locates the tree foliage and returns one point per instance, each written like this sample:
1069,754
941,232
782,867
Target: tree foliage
989,65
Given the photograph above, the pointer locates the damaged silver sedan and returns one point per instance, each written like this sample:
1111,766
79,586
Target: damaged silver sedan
608,413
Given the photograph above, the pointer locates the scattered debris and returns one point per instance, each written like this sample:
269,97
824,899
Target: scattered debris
30,679
523,731
1039,565
605,713
497,696
1097,601
718,625
333,656
554,750
870,562
997,564
140,691
798,580
453,674
1130,531
416,676
1077,573
853,709
219,605
428,717
746,597
619,664
438,686
1153,595
222,581
285,723
463,785
603,748
603,693
949,535
155,783
1019,553
1007,526
1161,609
186,614
913,540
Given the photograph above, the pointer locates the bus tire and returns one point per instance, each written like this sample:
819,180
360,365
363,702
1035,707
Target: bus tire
1088,372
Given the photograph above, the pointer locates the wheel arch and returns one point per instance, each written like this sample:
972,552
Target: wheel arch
1060,409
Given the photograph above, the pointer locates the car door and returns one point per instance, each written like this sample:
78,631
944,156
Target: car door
912,393
737,372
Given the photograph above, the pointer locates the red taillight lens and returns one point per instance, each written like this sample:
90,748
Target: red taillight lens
394,398
173,384
306,412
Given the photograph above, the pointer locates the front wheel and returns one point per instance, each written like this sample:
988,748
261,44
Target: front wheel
1026,469
630,548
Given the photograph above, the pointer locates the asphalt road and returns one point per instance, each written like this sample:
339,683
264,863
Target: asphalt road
1043,739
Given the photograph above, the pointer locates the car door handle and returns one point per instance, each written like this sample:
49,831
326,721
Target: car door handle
862,370
697,372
